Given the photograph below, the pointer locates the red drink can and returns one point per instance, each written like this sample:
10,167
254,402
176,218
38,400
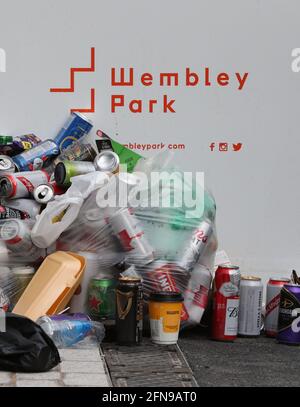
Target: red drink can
226,303
272,307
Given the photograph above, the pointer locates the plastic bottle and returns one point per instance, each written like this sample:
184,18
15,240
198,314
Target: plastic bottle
68,329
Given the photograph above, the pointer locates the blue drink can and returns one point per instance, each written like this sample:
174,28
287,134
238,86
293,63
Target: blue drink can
289,315
76,127
35,158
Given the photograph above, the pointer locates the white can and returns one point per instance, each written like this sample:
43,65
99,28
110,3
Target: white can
28,206
272,304
196,246
6,164
196,293
131,236
43,193
16,234
21,184
251,291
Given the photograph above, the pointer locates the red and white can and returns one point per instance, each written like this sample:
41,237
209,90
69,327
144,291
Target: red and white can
161,275
226,303
132,237
16,234
196,246
21,184
274,287
196,293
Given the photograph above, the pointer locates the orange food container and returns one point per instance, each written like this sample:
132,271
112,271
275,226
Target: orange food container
52,286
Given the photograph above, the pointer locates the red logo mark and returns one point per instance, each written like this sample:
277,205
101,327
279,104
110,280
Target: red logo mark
236,147
223,146
71,89
272,304
28,185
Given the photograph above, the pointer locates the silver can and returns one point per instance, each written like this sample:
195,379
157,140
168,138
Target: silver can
251,291
128,230
107,161
196,245
43,193
274,287
6,164
21,184
16,235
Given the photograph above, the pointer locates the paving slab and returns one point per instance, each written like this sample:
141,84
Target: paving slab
79,368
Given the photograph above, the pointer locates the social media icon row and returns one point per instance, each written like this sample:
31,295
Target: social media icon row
222,146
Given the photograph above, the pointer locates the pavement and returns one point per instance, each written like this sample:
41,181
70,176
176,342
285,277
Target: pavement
245,362
79,368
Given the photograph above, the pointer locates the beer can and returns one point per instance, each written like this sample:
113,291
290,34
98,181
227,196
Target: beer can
289,315
21,184
129,311
251,291
29,207
107,161
16,234
129,231
5,140
15,145
23,275
35,158
10,213
43,193
226,303
166,276
101,298
196,245
272,308
196,293
6,164
65,170
74,129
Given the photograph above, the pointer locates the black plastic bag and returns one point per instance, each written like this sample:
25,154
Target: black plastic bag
25,347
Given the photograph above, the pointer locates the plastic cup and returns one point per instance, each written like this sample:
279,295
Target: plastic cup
164,312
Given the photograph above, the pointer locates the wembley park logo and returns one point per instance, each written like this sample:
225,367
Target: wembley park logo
2,60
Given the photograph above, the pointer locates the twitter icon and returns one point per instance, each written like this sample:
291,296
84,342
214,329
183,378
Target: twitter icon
237,146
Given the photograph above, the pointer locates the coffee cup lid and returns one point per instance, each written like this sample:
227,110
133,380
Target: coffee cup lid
166,296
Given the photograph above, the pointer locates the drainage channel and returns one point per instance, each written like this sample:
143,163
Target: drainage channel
147,365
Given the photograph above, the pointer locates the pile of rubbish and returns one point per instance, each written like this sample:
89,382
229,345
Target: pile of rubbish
94,235
92,232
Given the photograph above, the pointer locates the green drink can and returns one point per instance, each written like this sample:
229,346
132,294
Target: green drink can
101,298
65,170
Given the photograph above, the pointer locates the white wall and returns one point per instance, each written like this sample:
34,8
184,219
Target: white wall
257,190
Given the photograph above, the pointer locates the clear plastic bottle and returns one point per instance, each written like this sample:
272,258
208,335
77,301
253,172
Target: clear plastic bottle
68,329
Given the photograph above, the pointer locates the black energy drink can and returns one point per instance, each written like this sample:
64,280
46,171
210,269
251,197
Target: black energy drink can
129,311
289,315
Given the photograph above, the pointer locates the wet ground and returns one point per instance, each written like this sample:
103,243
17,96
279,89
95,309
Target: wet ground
245,362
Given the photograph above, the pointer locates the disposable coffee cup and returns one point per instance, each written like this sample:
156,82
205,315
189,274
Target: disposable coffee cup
164,312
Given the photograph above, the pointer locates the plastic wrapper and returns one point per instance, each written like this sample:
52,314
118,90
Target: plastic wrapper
147,229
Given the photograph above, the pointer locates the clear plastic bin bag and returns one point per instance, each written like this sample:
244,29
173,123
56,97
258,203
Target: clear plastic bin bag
170,246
